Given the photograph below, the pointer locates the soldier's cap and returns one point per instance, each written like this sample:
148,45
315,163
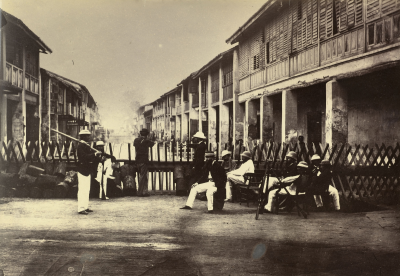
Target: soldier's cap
144,131
99,143
292,154
84,132
325,163
246,154
209,154
225,152
302,164
315,157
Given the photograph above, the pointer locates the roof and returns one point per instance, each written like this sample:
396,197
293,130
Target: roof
188,77
13,20
174,90
212,62
234,38
76,87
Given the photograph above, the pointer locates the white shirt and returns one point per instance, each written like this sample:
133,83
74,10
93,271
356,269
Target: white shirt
247,167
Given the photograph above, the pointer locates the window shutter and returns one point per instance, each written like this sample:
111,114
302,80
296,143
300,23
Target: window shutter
315,21
359,11
294,36
329,21
350,13
309,23
372,9
322,18
388,6
343,15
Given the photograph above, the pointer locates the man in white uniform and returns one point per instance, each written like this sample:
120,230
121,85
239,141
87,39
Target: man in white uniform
235,177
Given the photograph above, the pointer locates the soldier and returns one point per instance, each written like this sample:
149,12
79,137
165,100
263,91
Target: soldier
200,147
86,165
142,145
104,169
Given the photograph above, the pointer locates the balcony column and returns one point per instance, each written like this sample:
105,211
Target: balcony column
223,115
23,95
184,119
178,127
289,116
266,118
193,118
212,116
336,124
238,112
251,122
3,98
200,108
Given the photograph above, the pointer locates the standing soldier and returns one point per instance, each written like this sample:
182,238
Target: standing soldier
86,162
142,145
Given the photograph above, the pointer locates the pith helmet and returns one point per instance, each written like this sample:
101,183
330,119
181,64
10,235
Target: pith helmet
199,135
246,154
292,154
84,132
225,152
302,164
99,143
315,157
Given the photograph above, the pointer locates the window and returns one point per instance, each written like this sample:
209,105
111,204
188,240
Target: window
256,62
267,52
378,32
371,34
396,26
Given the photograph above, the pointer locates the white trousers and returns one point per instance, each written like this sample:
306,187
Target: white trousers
83,192
235,179
291,189
209,188
333,192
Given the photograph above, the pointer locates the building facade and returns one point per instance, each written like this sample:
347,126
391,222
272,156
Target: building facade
20,87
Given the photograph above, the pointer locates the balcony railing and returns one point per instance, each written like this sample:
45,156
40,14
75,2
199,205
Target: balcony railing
14,75
227,92
215,96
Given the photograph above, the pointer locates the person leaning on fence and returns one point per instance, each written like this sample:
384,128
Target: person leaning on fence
321,182
291,183
87,159
104,169
236,177
212,181
289,170
142,145
200,147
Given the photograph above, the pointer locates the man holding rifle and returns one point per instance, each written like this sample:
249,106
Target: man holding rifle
87,160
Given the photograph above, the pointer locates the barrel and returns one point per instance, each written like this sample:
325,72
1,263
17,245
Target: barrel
179,178
34,171
49,168
27,180
23,169
61,190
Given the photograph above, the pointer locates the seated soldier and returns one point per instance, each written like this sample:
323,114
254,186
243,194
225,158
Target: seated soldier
212,181
322,182
229,165
235,177
291,184
289,171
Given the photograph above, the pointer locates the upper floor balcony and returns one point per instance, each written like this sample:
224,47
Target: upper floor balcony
195,100
15,77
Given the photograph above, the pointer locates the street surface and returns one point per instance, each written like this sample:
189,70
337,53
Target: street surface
152,236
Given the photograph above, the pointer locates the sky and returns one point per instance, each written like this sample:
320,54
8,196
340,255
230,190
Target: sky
125,51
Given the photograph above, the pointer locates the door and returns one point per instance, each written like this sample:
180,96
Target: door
314,127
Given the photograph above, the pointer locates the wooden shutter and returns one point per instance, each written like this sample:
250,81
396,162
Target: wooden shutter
322,17
388,6
315,21
350,13
329,21
372,9
359,11
343,15
309,22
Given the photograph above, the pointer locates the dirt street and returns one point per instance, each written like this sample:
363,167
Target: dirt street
152,236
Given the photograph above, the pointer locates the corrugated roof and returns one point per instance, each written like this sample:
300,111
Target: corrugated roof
12,19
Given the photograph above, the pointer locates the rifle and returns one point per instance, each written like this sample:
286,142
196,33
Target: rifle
72,138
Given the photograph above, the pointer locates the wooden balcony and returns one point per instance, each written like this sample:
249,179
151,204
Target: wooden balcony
195,102
204,100
14,75
227,92
186,106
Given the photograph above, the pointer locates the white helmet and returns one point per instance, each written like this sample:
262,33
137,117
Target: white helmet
199,135
84,132
99,143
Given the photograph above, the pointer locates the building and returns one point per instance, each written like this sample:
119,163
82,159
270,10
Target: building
20,88
67,106
326,70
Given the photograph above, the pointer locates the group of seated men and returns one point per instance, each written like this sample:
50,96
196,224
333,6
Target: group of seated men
217,181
